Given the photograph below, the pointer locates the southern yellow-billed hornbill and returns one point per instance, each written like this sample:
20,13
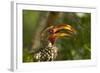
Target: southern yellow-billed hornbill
48,51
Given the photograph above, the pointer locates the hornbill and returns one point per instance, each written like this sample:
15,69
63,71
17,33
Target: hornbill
48,50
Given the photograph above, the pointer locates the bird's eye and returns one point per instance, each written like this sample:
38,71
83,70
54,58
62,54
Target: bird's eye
51,31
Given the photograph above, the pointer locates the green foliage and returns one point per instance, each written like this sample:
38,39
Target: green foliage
75,48
29,25
27,56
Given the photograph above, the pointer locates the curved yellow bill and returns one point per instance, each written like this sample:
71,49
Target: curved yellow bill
61,34
53,37
57,31
64,27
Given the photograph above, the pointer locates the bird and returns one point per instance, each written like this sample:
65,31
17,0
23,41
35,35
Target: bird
49,36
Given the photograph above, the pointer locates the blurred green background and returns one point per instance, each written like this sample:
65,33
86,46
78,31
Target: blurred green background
77,48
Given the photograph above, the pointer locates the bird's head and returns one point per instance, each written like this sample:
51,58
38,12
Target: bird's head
59,31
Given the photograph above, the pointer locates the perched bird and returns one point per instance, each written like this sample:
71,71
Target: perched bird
48,50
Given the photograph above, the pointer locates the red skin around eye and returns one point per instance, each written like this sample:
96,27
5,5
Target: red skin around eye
52,39
51,31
